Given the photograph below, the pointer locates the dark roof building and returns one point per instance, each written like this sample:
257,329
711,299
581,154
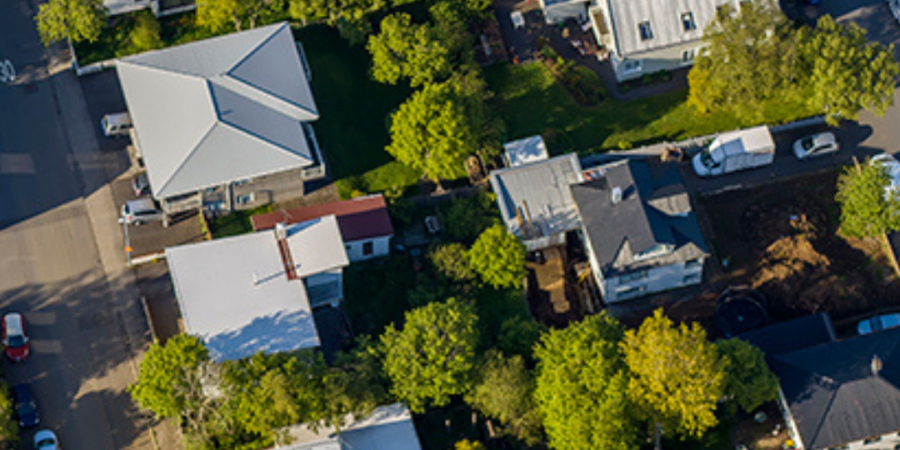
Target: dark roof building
836,392
359,218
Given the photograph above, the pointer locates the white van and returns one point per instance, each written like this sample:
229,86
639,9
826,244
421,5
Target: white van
116,124
737,150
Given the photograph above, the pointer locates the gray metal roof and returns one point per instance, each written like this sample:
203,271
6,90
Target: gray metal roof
524,151
665,22
654,210
235,295
389,427
544,188
219,110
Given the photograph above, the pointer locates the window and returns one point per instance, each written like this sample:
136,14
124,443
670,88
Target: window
646,31
872,440
368,248
687,56
693,278
693,264
687,21
631,66
630,291
244,198
631,276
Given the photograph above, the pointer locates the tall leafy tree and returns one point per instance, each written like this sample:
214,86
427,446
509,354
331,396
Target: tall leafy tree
498,258
403,50
145,34
9,429
677,376
504,391
432,357
431,132
165,373
868,207
78,20
749,381
452,262
581,387
219,15
847,72
518,336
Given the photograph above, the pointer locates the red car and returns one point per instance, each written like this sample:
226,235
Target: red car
15,340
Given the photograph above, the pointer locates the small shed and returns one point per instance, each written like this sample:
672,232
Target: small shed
524,151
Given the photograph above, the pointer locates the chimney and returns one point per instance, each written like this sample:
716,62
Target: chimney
877,365
616,196
286,258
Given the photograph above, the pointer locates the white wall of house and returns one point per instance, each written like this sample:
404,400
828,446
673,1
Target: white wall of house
577,9
647,281
368,248
669,58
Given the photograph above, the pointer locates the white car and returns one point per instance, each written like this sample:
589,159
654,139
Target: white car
893,170
46,440
816,145
878,323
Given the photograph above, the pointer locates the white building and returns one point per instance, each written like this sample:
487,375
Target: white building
640,233
256,292
389,427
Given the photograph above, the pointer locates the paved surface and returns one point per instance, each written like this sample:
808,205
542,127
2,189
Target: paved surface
62,260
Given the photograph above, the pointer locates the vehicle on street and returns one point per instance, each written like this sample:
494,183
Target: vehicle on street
26,408
116,124
15,339
878,323
141,211
734,151
46,440
816,145
140,184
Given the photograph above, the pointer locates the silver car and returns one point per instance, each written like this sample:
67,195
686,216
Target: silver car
141,211
816,145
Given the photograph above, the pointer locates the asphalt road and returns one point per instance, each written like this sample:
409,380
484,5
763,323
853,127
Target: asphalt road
50,263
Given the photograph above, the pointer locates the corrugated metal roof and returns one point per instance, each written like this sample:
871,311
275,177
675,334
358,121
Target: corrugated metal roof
359,218
389,427
544,188
219,110
234,292
665,22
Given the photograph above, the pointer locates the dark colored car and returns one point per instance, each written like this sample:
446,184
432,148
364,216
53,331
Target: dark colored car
140,184
26,408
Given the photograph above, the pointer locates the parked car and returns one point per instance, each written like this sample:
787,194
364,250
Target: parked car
46,440
734,151
26,408
878,323
140,184
118,124
141,211
15,339
816,145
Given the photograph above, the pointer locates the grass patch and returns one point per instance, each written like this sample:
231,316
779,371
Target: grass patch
353,127
533,102
238,222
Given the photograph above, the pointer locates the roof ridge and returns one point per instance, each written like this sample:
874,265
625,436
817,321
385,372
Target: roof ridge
181,164
142,65
268,142
256,47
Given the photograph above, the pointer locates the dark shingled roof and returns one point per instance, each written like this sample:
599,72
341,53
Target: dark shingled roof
837,391
655,209
359,218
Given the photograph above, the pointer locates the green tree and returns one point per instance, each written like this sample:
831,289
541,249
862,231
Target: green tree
504,391
581,387
145,34
849,73
518,336
78,20
432,358
307,11
498,258
868,208
405,50
466,444
165,374
9,429
467,217
452,262
677,376
749,381
431,133
219,15
354,387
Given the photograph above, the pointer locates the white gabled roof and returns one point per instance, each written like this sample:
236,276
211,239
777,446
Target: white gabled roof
389,427
234,292
219,110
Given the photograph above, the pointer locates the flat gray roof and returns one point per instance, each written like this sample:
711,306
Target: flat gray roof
235,295
665,22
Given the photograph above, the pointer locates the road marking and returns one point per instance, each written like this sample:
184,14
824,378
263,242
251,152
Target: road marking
7,71
16,163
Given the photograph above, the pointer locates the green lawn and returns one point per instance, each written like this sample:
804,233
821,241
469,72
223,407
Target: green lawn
533,102
353,109
236,223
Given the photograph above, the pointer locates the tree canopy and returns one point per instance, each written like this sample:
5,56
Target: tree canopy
581,387
432,357
78,20
145,34
452,262
749,381
504,391
677,376
219,15
868,208
498,258
403,50
164,373
9,429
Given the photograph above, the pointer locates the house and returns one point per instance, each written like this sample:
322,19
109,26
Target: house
640,232
160,8
257,292
834,394
389,427
525,151
225,122
535,201
364,221
647,36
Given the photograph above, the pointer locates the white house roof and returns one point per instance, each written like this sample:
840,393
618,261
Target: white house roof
665,22
524,151
219,110
234,293
389,427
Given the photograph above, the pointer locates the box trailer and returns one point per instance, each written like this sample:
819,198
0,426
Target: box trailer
737,150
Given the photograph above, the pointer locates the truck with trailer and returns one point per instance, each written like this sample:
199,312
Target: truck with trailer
734,151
